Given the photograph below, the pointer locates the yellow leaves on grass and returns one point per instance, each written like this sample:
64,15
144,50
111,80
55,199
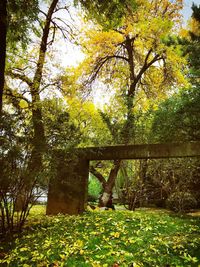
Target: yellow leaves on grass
115,234
97,264
107,238
78,243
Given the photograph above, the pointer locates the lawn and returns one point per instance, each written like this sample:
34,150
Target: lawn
107,238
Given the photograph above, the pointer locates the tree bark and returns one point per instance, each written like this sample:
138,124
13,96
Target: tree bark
107,190
3,29
39,141
39,133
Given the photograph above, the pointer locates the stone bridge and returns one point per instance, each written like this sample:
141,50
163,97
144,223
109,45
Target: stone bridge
68,188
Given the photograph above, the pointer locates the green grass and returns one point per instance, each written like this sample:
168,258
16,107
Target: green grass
123,238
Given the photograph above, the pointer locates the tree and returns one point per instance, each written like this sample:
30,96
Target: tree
193,47
16,18
61,130
3,27
17,191
34,83
177,118
136,59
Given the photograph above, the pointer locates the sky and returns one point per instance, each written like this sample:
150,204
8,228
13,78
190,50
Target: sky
187,9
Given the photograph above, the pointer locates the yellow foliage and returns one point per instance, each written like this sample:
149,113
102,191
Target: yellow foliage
107,57
23,104
194,26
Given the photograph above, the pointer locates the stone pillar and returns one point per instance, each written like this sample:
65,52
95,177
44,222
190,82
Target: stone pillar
68,186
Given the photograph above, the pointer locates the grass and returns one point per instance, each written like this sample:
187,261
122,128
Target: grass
107,238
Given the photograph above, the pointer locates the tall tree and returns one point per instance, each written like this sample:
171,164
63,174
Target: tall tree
16,18
194,45
136,59
34,84
3,27
177,118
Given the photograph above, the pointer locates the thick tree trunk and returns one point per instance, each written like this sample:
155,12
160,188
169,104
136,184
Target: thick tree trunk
39,134
3,29
39,141
108,187
128,129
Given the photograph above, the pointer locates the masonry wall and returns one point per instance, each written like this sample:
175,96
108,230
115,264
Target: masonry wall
68,186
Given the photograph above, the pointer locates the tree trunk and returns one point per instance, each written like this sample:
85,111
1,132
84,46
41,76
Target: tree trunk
39,141
107,190
3,27
39,134
128,130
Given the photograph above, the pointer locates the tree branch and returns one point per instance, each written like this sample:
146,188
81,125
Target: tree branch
98,175
113,175
143,69
20,76
100,63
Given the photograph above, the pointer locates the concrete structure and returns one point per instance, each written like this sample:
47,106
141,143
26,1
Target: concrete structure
68,186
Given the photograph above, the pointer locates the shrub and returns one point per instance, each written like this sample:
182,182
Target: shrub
94,189
181,201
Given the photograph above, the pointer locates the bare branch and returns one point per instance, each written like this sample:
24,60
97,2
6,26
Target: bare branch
48,85
45,14
20,76
53,36
61,8
101,62
145,66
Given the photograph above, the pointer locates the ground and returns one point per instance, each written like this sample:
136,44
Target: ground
144,237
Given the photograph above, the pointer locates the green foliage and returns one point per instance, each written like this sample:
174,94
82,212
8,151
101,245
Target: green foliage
61,131
177,118
181,201
16,185
142,238
194,46
94,188
108,14
21,17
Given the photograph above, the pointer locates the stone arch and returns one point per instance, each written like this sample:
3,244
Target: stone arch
68,187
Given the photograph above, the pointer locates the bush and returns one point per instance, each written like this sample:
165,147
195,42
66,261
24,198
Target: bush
181,201
20,182
94,189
